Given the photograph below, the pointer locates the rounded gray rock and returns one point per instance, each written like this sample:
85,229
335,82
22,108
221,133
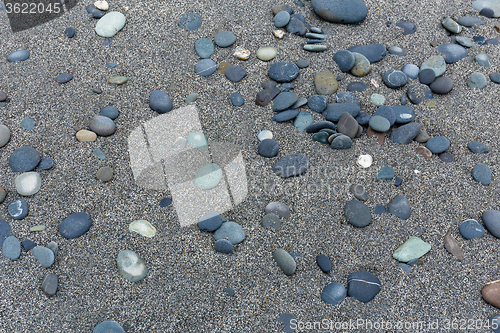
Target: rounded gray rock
285,261
491,219
400,206
357,213
4,135
231,231
340,11
102,126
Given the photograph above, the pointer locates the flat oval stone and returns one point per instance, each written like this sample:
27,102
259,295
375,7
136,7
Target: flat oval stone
271,220
268,148
44,255
359,192
198,140
28,123
235,73
208,176
204,48
491,219
361,65
109,326
324,263
210,221
397,50
130,266
18,209
302,63
427,76
341,142
340,11
321,137
404,114
394,78
315,47
99,153
191,97
372,52
451,25
118,80
491,293
291,165
277,208
5,231
453,52
317,103
482,174
412,249
143,228
357,213
325,83
4,135
19,55
363,286
281,19
442,85
109,111
357,86
283,72
483,59
49,284
28,183
406,133
236,99
284,261
377,99
266,53
223,246
284,100
411,71
453,247
438,144
96,13
64,78
400,206
476,80
333,293
303,120
344,59
334,111
11,248
379,124
385,173
285,116
471,229
110,24
160,102
205,67
46,163
470,21
86,136
478,147
363,118
224,39
102,126
231,231
464,41
436,63
408,27
190,21
75,225
320,125
24,159
386,112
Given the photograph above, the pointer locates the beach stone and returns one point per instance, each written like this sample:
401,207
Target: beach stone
64,78
436,63
359,192
408,27
110,24
191,97
492,4
131,266
19,55
268,148
205,67
277,208
86,136
363,286
266,53
377,99
411,71
464,41
24,159
471,229
333,293
109,326
46,163
482,174
372,52
281,19
347,125
303,120
27,123
208,176
285,116
99,153
357,213
271,220
491,294
426,153
494,323
104,174
438,144
479,40
49,285
340,11
404,114
406,133
422,137
5,231
412,249
28,183
236,99
363,118
364,161
11,248
483,59
4,135
487,12
284,100
324,263
291,165
3,194
283,72
284,261
101,5
198,140
450,25
341,142
102,126
231,231
224,39
210,221
296,26
453,247
344,59
44,256
400,206
204,47
494,77
453,52
37,228
325,83
491,219
302,63
109,111
442,85
27,244
379,124
385,173
160,101
394,78
357,86
361,65
397,50
427,76
387,113
300,102
419,92
320,125
476,80
470,21
379,209
18,209
334,111
235,73
223,246
317,103
143,228
96,13
75,225
478,147
190,21
315,47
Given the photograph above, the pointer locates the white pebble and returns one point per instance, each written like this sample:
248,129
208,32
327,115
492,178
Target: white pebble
143,228
265,134
28,183
101,4
365,161
241,53
279,33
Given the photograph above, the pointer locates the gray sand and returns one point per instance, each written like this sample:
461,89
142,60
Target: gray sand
184,291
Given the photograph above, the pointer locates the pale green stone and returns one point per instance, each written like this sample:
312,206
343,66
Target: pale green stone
315,47
118,80
198,140
377,99
37,228
131,266
266,53
191,97
110,24
413,248
208,176
142,227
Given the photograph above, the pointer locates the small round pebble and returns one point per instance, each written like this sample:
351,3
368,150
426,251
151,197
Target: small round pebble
102,125
46,163
333,293
205,67
400,206
204,47
11,248
476,80
411,71
302,63
69,32
482,174
64,78
44,256
224,39
24,159
478,147
357,213
442,85
4,135
237,99
18,209
109,326
210,221
27,123
109,111
268,148
394,78
104,174
223,246
28,183
265,134
324,263
471,229
427,76
190,21
231,231
277,208
438,144
379,209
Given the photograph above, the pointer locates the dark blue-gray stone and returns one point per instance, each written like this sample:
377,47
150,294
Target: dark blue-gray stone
281,19
487,12
27,244
284,100
438,144
269,84
302,63
11,248
379,210
470,21
278,208
236,99
385,173
482,174
324,263
495,77
479,39
18,209
363,118
49,284
357,86
341,142
204,47
372,52
303,120
69,32
346,97
453,52
210,221
386,112
319,125
190,21
268,148
492,41
205,67
44,255
494,323
334,293
404,114
411,71
408,27
96,13
235,73
224,39
446,157
231,231
340,11
45,163
478,147
286,87
286,319
271,220
109,111
285,116
403,100
400,206
464,41
19,55
5,231
491,219
75,225
160,101
296,27
334,111
363,286
283,71
344,59
27,123
357,213
299,17
317,103
427,76
476,80
471,229
405,134
394,78
291,165
109,326
24,159
229,291
223,246
165,202
63,78
418,92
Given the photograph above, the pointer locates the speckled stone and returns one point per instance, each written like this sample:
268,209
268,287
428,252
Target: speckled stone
476,80
394,78
291,165
344,59
325,83
482,174
284,261
361,65
357,214
206,67
471,228
400,206
235,73
412,249
24,159
436,63
283,72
